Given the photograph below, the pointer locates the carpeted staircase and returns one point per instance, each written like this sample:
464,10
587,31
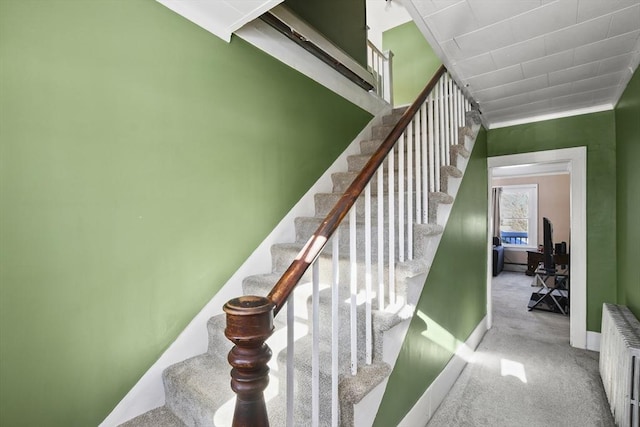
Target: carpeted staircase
197,390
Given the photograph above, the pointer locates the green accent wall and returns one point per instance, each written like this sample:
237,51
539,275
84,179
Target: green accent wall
414,62
597,133
344,22
142,160
453,301
628,194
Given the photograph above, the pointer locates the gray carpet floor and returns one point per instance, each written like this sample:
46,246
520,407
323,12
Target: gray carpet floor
524,372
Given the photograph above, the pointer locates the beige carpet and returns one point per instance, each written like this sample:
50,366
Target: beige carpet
524,372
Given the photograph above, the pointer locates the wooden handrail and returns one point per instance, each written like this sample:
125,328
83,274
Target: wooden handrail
316,243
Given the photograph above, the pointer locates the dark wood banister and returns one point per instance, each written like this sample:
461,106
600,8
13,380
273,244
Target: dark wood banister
250,318
314,246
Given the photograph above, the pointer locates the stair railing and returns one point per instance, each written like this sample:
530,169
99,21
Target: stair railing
424,136
380,65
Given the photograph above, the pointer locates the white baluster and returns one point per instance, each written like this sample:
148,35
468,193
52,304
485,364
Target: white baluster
353,267
447,122
429,163
413,128
439,137
418,168
290,354
391,222
335,328
401,193
427,129
381,238
315,354
367,257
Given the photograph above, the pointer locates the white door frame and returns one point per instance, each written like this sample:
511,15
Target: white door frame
577,163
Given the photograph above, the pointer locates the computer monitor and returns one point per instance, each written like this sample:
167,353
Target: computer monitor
549,264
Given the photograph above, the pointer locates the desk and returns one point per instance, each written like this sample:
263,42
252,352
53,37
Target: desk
534,258
553,294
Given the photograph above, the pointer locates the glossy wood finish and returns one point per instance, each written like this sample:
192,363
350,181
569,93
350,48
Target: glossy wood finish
249,324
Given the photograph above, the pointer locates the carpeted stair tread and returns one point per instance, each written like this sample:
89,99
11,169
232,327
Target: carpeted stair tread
197,387
218,342
159,417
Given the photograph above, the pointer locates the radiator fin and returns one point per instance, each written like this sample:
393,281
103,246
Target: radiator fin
620,363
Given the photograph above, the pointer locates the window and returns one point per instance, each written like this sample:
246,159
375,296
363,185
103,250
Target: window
519,215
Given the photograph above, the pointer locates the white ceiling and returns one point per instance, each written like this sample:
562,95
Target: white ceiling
525,60
220,17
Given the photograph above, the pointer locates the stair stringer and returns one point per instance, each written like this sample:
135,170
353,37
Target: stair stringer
412,275
148,393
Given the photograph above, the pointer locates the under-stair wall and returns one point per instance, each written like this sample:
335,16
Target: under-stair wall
452,304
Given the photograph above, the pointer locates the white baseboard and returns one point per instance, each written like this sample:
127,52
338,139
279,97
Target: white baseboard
426,406
593,341
148,393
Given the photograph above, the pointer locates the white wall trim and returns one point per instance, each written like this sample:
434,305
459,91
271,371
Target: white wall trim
148,393
593,341
429,402
551,116
267,39
577,159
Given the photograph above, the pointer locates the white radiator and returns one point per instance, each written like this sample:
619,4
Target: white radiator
620,363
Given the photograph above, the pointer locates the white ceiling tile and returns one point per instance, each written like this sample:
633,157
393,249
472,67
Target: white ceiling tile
520,52
486,39
490,94
498,10
604,94
551,91
429,7
573,74
524,108
577,35
606,48
424,7
496,78
503,103
625,20
598,82
514,88
550,17
476,65
588,9
547,64
616,63
451,49
572,100
452,21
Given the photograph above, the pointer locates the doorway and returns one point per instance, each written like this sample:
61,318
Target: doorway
574,161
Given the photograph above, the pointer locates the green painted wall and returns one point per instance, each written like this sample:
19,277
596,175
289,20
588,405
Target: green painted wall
142,160
628,204
451,305
414,62
597,133
344,22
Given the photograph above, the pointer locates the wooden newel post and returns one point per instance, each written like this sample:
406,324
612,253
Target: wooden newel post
249,324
